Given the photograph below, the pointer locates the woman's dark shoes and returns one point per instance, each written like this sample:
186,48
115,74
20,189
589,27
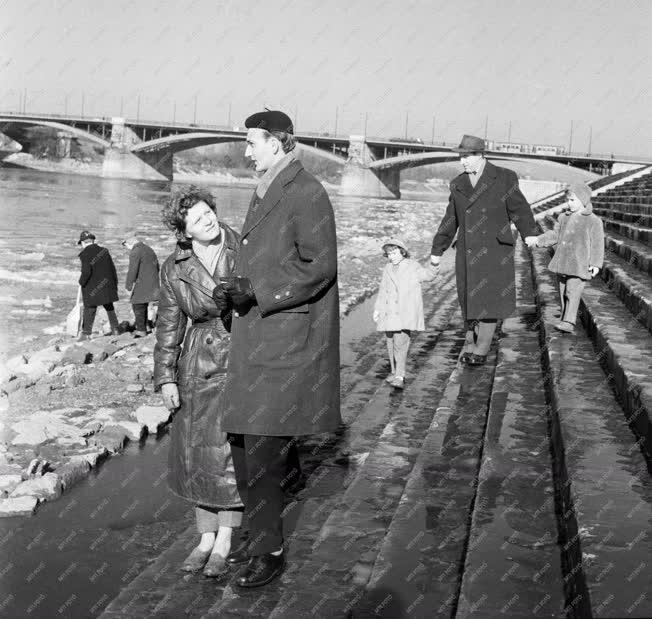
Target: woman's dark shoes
238,556
196,560
260,570
216,566
474,359
465,357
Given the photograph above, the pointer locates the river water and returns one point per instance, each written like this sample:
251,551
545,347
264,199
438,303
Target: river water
42,214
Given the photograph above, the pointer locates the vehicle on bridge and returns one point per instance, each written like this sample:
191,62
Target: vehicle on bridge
526,149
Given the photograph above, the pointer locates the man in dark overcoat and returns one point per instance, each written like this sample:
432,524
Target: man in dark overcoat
142,280
99,283
283,373
484,201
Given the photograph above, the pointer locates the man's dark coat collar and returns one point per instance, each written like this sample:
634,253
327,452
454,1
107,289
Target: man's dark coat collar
486,180
272,196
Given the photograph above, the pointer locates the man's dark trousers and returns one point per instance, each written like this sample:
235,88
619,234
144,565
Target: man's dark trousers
264,466
140,316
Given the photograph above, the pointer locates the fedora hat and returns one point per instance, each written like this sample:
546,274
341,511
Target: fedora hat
85,236
470,144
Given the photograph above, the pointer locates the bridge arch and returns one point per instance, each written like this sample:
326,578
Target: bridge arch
16,135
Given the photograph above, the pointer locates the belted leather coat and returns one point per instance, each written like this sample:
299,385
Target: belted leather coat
200,461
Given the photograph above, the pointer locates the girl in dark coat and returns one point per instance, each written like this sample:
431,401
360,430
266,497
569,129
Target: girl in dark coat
191,379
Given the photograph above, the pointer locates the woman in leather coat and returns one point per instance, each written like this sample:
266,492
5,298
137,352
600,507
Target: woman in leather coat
190,369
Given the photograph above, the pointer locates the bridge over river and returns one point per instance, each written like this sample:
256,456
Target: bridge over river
144,149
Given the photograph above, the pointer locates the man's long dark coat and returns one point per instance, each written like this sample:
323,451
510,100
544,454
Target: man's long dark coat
98,279
484,260
283,374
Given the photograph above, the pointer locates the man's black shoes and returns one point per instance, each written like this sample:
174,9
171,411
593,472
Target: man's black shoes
261,570
238,556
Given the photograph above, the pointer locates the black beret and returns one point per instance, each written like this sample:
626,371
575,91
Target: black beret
270,120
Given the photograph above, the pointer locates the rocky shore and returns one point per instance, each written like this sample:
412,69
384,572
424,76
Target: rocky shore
66,408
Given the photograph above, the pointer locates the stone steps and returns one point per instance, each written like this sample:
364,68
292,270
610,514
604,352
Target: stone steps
628,218
624,347
634,232
604,489
338,510
635,253
512,566
611,204
165,591
632,286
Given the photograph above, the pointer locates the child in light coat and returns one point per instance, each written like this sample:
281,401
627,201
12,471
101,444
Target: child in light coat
399,305
579,253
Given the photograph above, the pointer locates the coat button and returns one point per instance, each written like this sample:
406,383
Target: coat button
236,314
468,251
277,296
245,241
209,340
287,293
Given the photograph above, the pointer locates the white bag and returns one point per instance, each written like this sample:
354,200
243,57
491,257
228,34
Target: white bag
74,318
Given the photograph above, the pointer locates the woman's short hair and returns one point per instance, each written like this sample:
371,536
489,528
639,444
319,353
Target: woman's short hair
179,203
404,252
286,139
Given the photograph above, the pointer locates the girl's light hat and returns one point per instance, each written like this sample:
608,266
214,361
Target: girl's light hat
582,191
397,242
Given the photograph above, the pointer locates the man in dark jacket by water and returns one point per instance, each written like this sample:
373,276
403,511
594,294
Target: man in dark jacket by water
484,201
283,376
142,280
99,283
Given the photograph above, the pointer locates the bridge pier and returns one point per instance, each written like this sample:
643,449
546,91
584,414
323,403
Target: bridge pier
63,144
358,180
120,162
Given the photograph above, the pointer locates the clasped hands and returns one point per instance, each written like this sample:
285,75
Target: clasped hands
238,289
531,241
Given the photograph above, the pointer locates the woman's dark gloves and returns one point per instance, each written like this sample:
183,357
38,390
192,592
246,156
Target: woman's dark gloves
239,289
220,298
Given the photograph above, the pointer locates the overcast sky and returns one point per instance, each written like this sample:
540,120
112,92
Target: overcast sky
537,64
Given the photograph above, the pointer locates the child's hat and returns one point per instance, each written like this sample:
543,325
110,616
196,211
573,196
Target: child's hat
582,191
395,241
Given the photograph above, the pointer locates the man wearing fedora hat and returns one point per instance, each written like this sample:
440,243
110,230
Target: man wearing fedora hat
283,370
99,284
484,201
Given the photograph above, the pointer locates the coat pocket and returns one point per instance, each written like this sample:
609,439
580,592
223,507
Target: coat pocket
505,237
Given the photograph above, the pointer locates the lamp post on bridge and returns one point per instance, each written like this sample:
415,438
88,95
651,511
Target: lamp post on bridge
406,125
432,139
194,115
336,114
366,118
82,104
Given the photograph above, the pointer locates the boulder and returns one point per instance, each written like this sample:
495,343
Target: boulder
72,472
76,355
5,373
51,355
14,363
41,427
92,427
112,439
21,506
134,429
153,417
43,488
9,482
92,458
135,388
96,350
